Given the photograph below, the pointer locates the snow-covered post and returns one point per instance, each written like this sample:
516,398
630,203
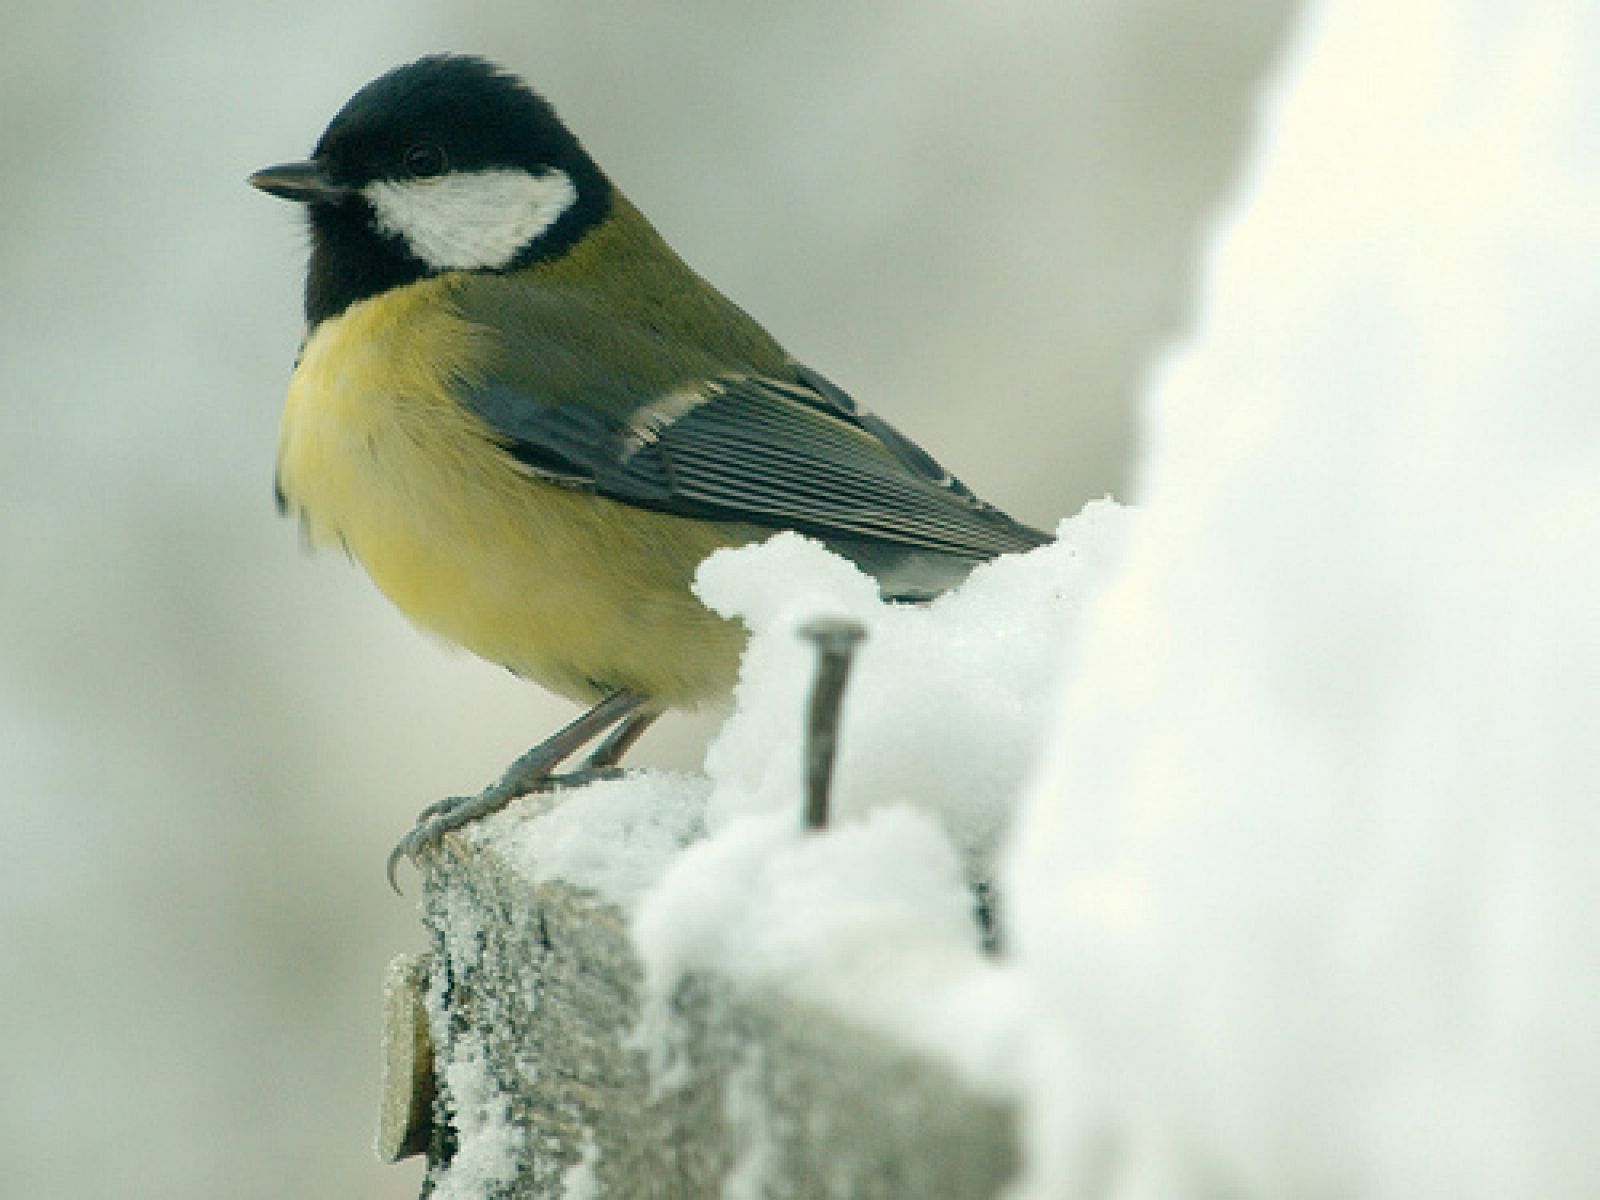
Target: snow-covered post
553,1081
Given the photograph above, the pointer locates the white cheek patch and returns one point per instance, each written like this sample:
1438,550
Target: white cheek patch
471,219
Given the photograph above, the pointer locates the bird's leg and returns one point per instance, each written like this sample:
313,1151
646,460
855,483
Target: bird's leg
603,759
619,741
618,712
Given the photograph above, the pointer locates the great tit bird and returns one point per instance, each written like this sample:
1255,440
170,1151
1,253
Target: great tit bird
530,421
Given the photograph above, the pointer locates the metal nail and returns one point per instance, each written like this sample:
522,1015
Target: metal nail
836,639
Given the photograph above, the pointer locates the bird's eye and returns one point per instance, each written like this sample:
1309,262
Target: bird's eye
424,160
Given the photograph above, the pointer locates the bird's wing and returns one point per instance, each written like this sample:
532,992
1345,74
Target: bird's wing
781,453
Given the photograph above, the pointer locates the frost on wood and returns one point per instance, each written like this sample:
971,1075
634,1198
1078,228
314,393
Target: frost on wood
550,1086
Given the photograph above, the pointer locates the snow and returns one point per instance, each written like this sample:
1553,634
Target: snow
947,702
490,1146
944,714
580,1181
1308,897
749,1126
873,921
614,837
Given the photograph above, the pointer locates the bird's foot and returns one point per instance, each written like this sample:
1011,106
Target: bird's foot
457,812
621,716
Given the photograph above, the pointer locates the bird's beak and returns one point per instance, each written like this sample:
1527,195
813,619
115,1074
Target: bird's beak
302,182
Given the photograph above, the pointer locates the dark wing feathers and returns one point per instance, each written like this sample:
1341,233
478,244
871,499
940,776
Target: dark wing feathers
561,443
907,451
760,451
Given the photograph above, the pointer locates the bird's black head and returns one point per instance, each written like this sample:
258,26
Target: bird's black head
445,164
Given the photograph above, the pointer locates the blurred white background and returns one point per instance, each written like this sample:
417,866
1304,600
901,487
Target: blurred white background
981,219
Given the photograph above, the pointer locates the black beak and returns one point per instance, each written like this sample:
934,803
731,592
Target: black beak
302,182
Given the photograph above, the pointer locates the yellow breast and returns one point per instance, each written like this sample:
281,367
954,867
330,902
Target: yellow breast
579,593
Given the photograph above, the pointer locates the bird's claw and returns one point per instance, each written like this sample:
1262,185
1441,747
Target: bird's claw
439,818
